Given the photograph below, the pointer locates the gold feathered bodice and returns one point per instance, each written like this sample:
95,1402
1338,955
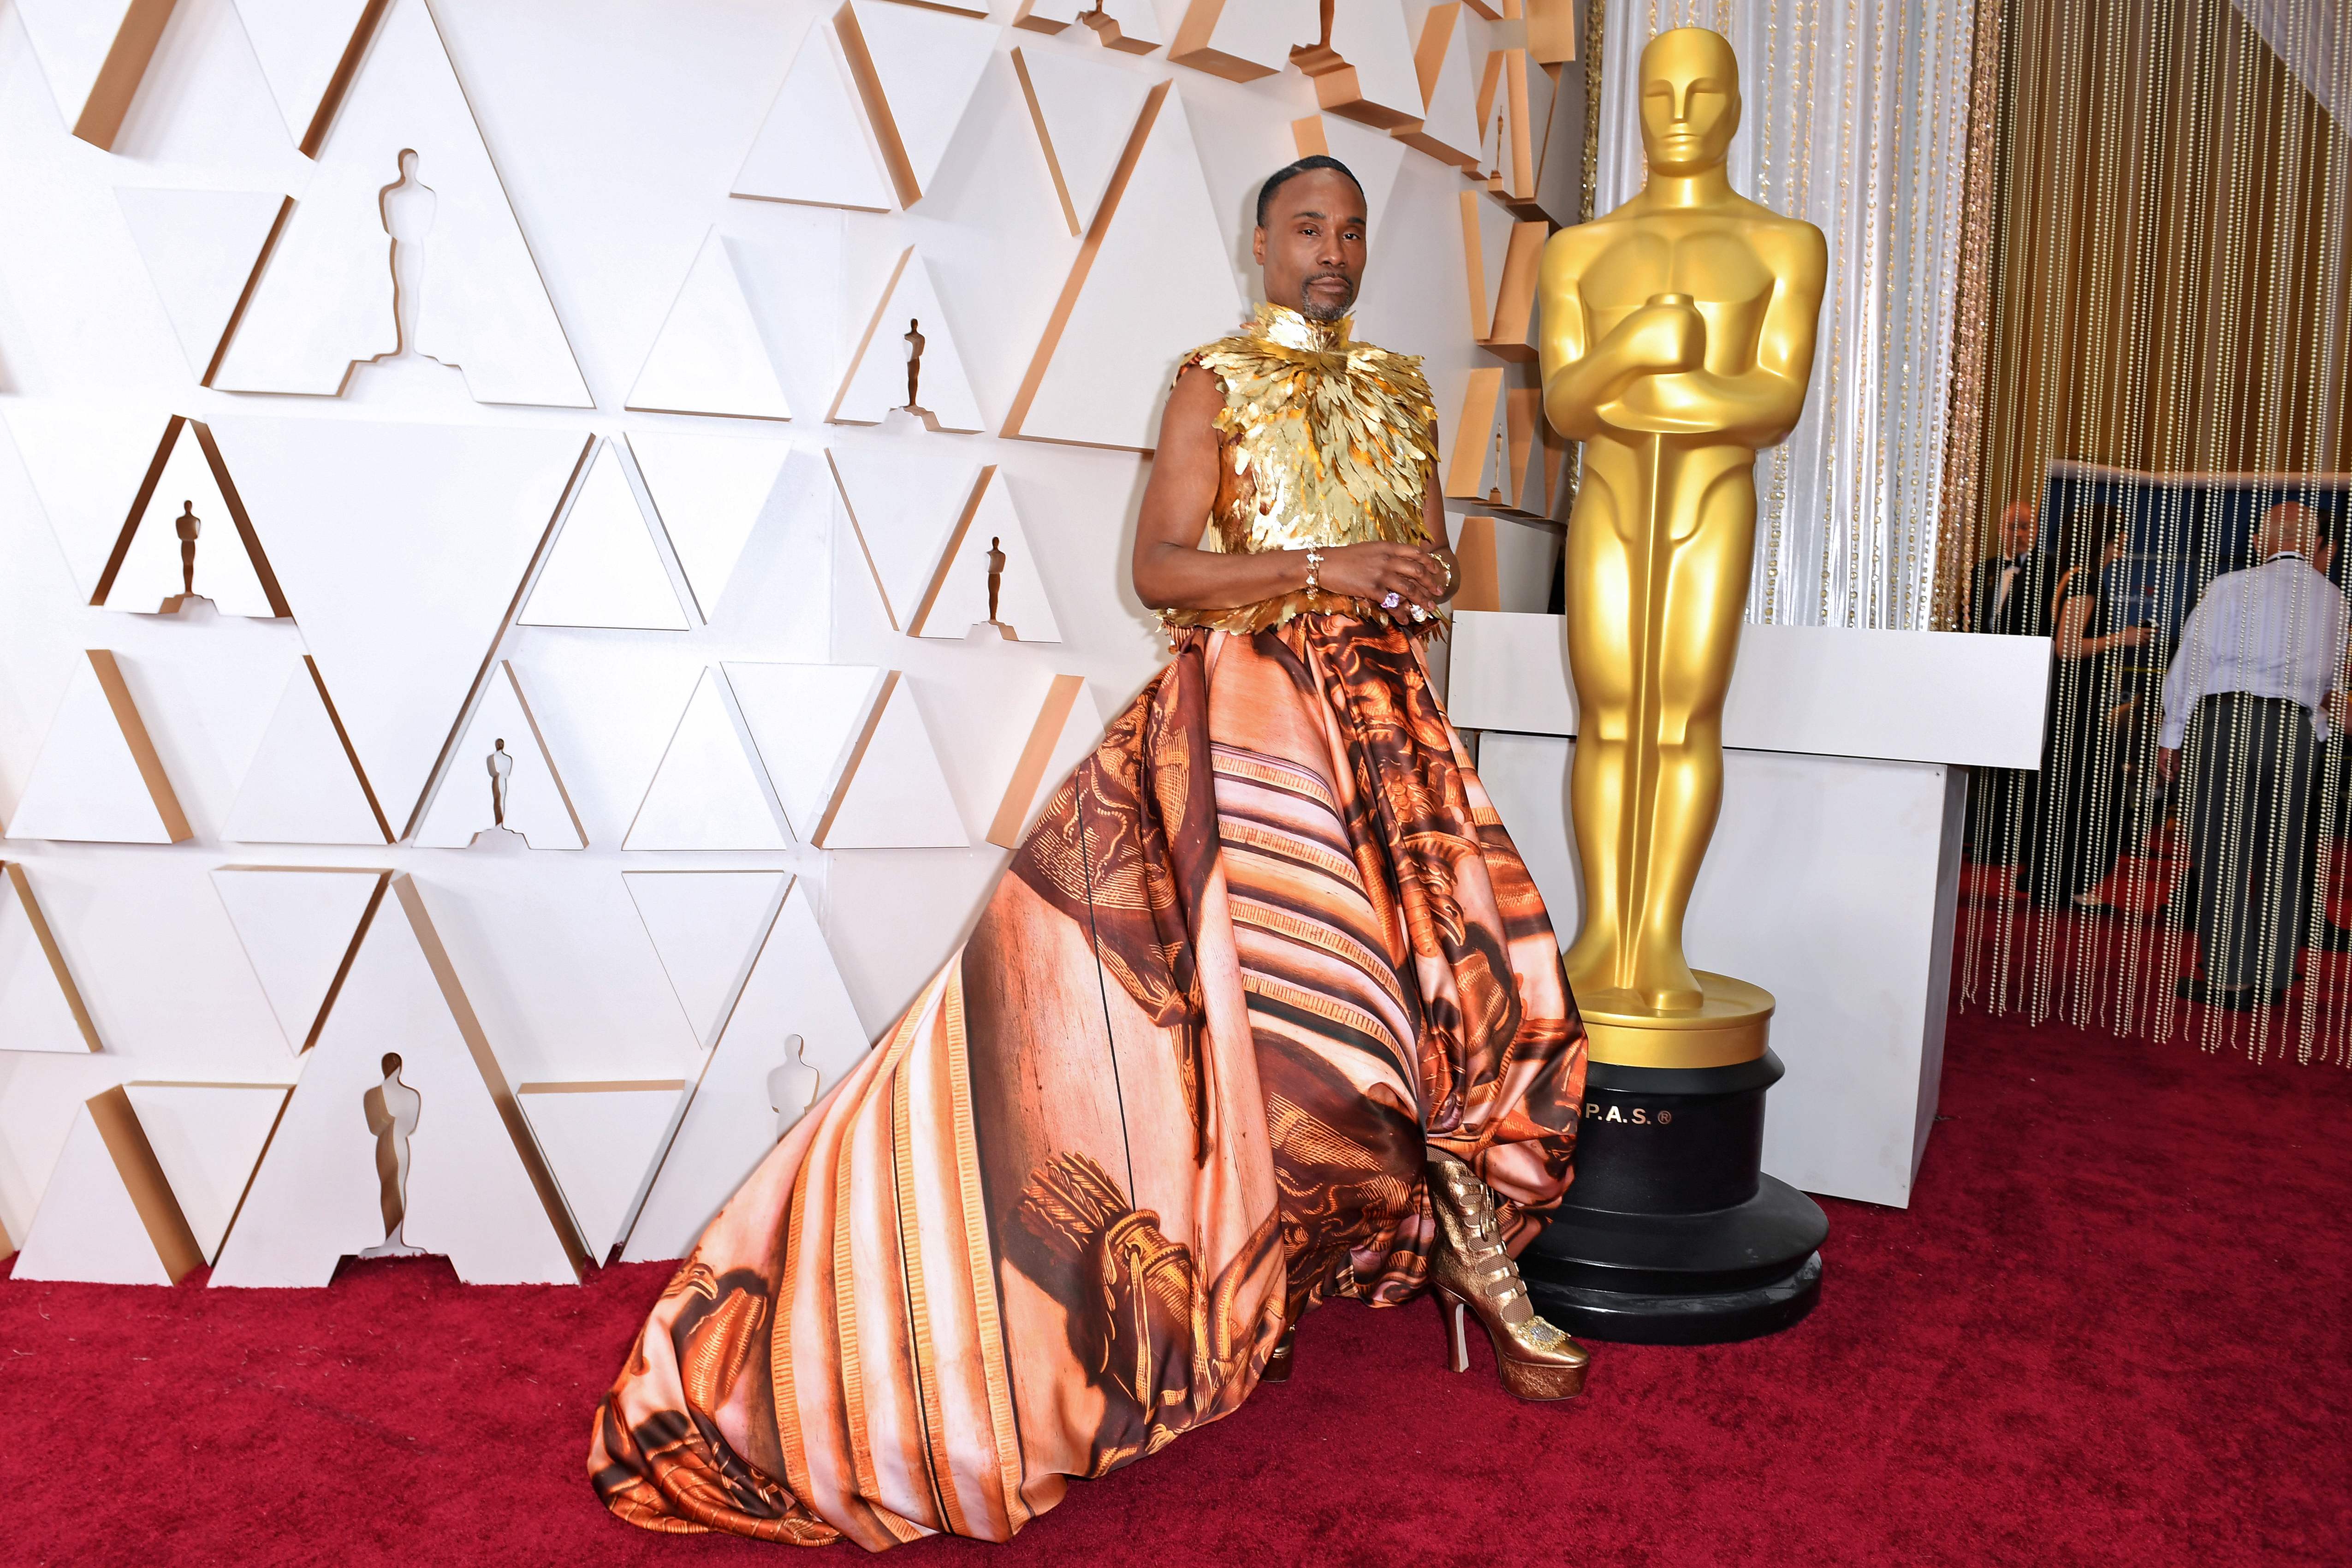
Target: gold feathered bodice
1322,441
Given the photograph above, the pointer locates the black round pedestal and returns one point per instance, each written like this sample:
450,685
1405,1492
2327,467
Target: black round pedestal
1670,1234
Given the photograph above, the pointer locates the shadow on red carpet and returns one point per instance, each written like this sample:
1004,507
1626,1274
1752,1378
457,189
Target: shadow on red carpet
2111,1329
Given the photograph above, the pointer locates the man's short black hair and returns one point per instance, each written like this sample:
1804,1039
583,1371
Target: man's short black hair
1289,172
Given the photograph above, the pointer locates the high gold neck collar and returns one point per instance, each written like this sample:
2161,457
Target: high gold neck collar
1282,324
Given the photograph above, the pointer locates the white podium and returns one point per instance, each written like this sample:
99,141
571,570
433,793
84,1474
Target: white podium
1834,870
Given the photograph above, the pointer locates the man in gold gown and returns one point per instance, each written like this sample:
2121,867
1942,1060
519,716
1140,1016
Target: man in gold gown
1266,1010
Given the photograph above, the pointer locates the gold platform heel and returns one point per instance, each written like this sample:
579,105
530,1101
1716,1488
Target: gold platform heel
1470,1272
1278,1362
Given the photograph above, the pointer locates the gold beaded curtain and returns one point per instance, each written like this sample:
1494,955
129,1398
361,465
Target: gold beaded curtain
2153,357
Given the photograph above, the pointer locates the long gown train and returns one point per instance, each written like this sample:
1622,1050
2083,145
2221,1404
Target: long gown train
1264,946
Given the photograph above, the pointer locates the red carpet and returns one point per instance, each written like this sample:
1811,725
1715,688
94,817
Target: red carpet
2112,1330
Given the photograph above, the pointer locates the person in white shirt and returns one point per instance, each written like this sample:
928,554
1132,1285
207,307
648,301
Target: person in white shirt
2255,667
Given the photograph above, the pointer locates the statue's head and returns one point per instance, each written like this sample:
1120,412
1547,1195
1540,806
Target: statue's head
1690,99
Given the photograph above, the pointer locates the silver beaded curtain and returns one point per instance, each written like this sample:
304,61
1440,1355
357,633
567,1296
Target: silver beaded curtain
2157,368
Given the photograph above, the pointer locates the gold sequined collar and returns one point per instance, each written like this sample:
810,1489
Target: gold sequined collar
1283,327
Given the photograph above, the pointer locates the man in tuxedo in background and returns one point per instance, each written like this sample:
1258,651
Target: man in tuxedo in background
2009,596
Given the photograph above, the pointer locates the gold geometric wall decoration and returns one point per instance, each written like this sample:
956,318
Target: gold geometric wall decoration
108,1215
1472,461
202,249
1364,68
41,1008
1130,27
813,147
1474,556
300,927
1551,29
1083,110
98,778
917,70
1449,129
1065,733
309,52
305,784
1150,280
905,508
94,53
1243,40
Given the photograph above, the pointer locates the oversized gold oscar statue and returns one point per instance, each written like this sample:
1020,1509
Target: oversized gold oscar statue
1677,339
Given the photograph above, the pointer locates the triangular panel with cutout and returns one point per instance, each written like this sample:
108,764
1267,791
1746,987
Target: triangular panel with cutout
501,768
794,1015
402,549
324,300
958,598
879,370
477,1189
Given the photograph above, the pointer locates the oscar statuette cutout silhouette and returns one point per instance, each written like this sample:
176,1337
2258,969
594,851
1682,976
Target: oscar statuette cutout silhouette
187,525
500,763
392,1111
1677,340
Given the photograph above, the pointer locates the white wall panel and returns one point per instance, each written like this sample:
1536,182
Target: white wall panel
616,131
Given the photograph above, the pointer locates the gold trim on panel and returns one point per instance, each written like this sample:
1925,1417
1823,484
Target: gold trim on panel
142,1177
1105,212
143,750
15,871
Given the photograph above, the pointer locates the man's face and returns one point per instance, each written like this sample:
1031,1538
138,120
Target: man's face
2018,528
1311,246
1690,100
